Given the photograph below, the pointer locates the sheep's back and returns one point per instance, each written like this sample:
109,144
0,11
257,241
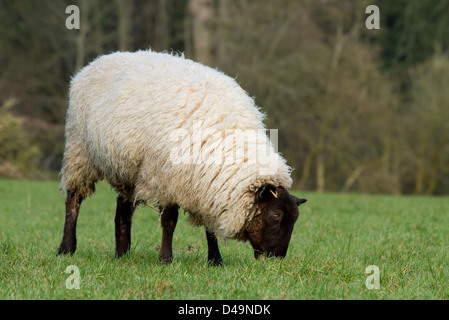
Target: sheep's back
125,106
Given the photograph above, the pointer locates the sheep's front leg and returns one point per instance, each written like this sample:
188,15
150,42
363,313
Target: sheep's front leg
123,221
169,218
72,208
213,253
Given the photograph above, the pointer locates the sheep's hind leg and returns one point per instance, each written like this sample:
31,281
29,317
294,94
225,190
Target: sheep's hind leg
72,207
213,254
169,218
123,221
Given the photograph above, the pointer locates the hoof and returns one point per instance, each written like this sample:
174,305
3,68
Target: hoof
215,262
165,260
64,250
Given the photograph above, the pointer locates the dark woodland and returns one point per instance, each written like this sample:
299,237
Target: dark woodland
357,109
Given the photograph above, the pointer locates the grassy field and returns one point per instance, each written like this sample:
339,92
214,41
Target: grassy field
335,239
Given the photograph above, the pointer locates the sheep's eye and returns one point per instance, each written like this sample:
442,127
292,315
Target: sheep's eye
275,214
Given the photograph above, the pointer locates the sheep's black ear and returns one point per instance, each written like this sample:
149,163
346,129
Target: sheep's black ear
267,192
299,201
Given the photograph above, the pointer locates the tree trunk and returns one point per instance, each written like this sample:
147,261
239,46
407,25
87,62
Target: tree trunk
327,115
353,177
161,27
98,32
81,38
201,13
320,169
125,9
305,171
419,180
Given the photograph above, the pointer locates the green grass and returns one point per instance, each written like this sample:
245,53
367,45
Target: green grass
336,237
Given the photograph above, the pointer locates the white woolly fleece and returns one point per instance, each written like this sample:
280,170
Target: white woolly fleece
165,129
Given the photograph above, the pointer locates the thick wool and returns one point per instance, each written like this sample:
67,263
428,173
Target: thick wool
165,129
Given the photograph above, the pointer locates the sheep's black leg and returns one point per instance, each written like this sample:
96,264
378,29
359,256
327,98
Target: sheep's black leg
169,218
123,221
213,253
72,208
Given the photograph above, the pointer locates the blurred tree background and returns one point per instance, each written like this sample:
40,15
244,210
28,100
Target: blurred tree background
357,110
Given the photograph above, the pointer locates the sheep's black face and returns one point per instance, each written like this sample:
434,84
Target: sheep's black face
269,232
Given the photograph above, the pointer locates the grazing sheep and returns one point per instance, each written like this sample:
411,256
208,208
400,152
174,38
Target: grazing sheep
168,130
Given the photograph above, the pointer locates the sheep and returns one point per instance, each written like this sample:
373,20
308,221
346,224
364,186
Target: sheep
164,129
